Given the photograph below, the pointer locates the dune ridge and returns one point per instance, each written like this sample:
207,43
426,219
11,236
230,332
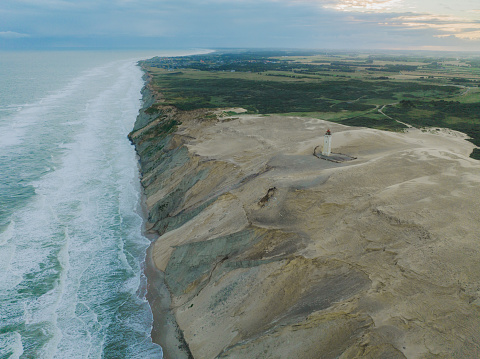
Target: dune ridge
268,251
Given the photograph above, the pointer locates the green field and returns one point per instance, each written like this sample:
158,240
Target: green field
349,88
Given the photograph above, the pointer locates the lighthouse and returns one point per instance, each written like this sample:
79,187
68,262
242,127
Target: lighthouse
327,143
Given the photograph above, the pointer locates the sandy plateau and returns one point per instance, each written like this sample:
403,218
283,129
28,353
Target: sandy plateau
287,255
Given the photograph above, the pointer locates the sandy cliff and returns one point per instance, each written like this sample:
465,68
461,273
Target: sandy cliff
270,252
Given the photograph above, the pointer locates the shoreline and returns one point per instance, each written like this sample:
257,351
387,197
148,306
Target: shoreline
262,245
165,331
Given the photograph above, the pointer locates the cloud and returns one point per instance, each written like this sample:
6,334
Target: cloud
444,25
238,23
365,5
50,4
401,15
12,35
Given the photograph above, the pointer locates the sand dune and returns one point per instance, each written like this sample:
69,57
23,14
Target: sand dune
378,257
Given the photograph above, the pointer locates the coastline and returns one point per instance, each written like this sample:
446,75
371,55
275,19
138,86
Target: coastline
263,245
165,331
73,250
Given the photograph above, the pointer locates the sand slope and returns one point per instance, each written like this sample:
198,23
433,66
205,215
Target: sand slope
270,252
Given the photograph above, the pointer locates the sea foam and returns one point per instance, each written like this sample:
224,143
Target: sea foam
72,254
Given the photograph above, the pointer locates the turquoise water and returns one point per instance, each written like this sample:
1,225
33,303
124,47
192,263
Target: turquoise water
71,248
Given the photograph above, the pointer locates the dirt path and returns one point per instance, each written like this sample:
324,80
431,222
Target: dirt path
380,110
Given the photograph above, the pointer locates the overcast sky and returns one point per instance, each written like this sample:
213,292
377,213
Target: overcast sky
330,24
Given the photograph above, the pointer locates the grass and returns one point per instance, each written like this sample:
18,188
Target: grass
458,116
269,93
475,154
470,96
344,87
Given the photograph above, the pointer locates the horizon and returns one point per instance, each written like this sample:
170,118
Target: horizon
355,25
202,51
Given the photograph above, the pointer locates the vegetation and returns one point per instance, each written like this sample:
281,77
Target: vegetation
475,154
349,88
463,117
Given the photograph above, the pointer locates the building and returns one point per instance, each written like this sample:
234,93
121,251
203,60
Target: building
327,144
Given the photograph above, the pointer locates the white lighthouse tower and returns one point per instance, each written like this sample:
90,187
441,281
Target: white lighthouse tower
327,144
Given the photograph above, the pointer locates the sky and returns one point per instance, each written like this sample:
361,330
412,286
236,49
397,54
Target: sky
451,25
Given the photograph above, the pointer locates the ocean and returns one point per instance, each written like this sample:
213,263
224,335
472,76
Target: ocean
71,245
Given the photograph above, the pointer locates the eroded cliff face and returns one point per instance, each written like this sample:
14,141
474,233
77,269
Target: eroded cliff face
270,252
